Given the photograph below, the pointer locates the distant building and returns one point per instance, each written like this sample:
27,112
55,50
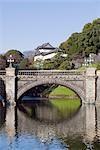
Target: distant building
45,51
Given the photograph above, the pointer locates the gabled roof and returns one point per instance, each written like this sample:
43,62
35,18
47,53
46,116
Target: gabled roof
45,46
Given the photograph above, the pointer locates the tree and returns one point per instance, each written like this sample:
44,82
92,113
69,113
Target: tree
48,64
2,62
16,55
24,63
84,43
98,66
65,65
55,62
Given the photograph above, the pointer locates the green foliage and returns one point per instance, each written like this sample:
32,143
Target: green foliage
48,64
2,62
65,65
24,63
32,66
98,66
84,43
87,27
78,45
57,62
71,45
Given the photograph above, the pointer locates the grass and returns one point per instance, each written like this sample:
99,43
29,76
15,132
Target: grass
66,104
94,65
65,107
61,90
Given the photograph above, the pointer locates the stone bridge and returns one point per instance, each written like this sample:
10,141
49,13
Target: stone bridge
86,84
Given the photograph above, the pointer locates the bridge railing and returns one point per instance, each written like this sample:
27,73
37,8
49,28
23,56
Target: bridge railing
2,72
48,72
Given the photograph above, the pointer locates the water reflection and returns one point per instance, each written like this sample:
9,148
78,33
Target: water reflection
46,111
10,123
2,114
25,129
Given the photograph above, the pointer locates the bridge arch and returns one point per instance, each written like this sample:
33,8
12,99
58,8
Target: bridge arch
69,85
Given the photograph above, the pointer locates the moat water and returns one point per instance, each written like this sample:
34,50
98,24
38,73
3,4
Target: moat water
41,126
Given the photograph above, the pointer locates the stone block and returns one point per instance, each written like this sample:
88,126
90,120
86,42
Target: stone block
90,71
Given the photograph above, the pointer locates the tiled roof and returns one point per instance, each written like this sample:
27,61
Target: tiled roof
49,49
45,46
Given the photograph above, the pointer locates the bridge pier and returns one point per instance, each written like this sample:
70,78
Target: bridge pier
98,88
10,85
90,122
90,86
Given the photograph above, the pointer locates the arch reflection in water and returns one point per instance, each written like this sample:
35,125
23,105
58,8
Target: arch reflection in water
49,111
79,131
2,114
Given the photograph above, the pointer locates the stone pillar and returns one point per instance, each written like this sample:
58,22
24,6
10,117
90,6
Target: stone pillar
10,123
90,124
98,88
98,120
90,86
10,85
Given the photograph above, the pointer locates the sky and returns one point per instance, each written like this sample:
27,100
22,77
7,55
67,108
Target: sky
26,24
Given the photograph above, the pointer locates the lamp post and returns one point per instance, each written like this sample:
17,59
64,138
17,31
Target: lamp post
10,61
88,61
10,82
85,62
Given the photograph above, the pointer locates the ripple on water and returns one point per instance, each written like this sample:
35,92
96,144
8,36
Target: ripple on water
29,142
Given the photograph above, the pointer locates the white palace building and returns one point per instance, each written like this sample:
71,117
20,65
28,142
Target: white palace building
45,51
